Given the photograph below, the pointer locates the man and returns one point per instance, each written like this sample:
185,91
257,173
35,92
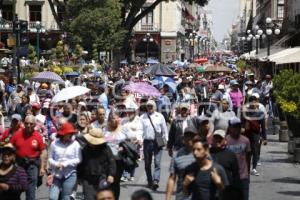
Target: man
228,161
33,97
208,178
267,87
240,145
103,97
222,115
15,98
255,130
141,195
101,119
202,90
177,128
164,103
31,154
68,113
105,194
16,122
153,123
183,158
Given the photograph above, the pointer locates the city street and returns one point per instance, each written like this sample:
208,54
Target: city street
279,179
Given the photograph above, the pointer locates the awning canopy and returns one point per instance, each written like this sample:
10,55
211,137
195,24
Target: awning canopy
291,55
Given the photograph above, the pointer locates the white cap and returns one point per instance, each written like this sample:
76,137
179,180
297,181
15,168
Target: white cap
220,132
256,95
221,87
81,103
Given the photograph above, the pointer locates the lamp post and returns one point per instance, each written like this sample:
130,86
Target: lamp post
192,37
39,29
147,38
270,30
243,45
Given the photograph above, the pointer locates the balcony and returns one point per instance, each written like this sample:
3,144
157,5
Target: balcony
147,27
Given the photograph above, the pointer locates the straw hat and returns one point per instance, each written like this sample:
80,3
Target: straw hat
95,136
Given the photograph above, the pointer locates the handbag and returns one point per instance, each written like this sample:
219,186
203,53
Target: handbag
158,138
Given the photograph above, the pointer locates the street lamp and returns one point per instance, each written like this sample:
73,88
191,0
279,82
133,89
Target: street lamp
147,38
192,37
38,29
270,31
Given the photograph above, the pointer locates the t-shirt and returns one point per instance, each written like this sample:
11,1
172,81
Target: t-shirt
240,147
178,164
28,146
203,187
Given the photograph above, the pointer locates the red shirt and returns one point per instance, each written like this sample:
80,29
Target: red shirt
6,136
29,147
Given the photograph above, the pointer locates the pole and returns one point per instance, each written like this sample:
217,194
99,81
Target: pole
17,61
147,46
268,38
256,46
38,46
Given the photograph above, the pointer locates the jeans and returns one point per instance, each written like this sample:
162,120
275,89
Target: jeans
255,147
117,179
245,188
150,149
32,175
64,186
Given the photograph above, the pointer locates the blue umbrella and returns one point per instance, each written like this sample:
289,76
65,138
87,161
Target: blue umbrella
163,80
152,61
124,62
179,63
73,74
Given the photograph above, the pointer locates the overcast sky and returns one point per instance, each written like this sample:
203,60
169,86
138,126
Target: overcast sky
224,14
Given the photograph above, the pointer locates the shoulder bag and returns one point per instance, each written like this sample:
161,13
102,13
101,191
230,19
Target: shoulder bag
158,138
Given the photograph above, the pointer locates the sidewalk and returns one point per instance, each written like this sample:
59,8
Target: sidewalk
279,176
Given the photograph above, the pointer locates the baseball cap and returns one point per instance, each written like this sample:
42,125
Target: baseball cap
220,132
151,102
256,95
221,87
17,117
234,121
234,82
249,83
189,131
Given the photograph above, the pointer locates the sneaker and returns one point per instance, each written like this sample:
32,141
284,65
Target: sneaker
259,164
124,179
131,179
155,185
255,172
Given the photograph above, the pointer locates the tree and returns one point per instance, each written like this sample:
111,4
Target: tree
131,12
95,53
31,53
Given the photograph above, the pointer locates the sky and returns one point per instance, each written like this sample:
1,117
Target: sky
224,15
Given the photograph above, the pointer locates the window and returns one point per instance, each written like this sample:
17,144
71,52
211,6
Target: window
280,9
148,19
7,12
35,13
61,12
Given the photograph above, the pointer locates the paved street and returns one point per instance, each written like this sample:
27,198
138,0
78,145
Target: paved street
279,180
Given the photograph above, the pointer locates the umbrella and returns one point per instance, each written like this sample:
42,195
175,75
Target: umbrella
73,74
152,61
50,77
160,70
179,63
217,68
124,62
201,60
200,69
70,93
142,88
163,80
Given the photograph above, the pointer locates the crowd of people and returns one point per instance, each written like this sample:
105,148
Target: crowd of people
212,125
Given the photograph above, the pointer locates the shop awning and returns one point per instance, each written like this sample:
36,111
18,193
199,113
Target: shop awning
263,53
291,55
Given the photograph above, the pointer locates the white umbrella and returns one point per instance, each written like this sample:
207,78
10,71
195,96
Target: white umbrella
70,93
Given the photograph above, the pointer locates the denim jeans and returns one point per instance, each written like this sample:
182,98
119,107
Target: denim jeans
150,149
255,147
32,175
64,186
245,188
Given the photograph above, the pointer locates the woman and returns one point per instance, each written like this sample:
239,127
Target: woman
15,125
23,107
83,124
98,166
64,156
113,135
13,179
236,97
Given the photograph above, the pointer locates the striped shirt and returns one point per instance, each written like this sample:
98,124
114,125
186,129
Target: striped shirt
17,182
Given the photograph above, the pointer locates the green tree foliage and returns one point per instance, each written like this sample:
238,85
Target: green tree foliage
78,52
95,52
97,22
287,91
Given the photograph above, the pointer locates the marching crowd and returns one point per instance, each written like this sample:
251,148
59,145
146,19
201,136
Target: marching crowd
212,125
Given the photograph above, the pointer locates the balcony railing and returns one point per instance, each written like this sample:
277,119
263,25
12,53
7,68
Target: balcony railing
146,27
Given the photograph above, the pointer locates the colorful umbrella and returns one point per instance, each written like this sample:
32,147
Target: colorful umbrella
50,77
201,60
70,93
200,69
160,70
142,88
163,80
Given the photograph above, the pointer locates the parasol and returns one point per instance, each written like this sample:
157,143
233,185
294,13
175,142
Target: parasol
70,93
160,70
217,68
50,77
142,88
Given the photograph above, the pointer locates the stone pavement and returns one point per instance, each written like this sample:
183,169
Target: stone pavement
279,179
